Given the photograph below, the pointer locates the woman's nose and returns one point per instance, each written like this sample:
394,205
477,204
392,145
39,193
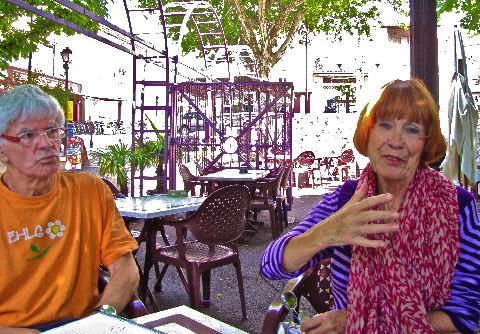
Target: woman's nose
396,137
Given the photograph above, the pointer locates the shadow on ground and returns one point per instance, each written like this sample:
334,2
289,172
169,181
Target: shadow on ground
225,305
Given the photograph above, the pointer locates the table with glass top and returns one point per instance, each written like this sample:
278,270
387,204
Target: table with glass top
157,206
235,176
154,210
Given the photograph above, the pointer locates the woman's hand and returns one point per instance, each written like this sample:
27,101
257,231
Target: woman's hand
348,226
331,322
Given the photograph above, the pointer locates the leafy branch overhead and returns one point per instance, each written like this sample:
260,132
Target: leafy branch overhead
22,32
267,26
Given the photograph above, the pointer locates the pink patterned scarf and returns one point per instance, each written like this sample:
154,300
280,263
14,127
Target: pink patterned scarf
391,289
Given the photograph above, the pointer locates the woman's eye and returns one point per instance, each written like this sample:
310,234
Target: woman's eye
385,125
412,129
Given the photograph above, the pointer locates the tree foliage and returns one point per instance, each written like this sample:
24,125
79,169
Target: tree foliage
21,32
469,9
267,26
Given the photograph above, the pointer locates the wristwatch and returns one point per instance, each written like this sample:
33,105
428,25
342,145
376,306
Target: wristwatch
107,309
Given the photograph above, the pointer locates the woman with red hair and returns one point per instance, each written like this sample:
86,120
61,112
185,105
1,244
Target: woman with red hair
404,241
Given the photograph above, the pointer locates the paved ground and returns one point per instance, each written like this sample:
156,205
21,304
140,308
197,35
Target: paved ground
225,304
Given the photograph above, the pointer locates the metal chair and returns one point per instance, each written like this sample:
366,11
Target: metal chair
216,225
285,197
313,285
134,309
266,198
304,169
190,181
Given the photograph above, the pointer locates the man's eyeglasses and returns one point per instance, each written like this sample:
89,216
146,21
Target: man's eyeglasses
28,138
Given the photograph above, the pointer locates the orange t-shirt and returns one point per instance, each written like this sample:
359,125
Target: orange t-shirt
52,247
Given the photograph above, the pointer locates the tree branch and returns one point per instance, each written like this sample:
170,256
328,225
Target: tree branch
246,25
280,23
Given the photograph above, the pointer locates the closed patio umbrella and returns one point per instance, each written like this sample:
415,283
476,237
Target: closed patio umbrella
460,162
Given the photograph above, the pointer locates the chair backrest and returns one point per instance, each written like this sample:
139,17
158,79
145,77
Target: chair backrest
346,157
306,158
115,191
315,287
186,174
278,180
286,177
221,217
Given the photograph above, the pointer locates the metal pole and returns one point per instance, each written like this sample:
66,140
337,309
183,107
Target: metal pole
65,66
306,69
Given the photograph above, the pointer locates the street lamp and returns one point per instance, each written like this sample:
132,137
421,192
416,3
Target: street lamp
65,53
305,41
66,61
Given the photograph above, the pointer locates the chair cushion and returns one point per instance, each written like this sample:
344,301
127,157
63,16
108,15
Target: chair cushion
198,252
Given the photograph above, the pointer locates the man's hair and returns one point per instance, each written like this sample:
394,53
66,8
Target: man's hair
410,100
28,102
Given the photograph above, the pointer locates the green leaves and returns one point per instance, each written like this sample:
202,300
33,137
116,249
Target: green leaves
469,8
17,40
34,248
114,161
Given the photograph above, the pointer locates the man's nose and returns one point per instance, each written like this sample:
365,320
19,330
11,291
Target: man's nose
44,140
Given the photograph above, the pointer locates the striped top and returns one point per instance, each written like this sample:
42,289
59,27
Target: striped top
463,306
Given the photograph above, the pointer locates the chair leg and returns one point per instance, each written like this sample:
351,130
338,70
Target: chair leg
206,275
273,223
284,212
158,284
241,291
194,287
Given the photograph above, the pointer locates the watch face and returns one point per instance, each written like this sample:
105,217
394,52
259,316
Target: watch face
108,309
230,145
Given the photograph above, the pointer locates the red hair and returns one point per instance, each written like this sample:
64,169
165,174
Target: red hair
410,100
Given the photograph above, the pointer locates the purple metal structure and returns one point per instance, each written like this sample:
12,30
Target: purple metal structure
244,123
151,84
231,123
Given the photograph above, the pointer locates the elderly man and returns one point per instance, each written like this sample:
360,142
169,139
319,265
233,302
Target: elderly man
56,228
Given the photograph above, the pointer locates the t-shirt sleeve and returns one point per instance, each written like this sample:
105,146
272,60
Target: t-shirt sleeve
116,239
271,264
463,307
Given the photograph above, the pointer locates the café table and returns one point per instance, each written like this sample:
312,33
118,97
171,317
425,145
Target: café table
152,209
235,176
181,319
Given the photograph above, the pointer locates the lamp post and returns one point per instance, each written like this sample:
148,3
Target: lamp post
65,53
305,41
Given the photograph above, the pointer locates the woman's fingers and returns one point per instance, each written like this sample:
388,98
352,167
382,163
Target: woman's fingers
359,194
328,322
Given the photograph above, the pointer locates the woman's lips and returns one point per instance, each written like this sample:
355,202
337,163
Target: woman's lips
392,160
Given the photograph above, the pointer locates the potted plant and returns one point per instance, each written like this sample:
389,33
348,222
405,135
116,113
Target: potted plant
114,161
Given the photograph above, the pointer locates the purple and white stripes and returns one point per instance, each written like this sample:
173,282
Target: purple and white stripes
463,306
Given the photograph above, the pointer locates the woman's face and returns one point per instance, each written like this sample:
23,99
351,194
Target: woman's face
395,149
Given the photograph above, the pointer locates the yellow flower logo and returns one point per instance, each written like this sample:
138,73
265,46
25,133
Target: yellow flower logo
55,229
